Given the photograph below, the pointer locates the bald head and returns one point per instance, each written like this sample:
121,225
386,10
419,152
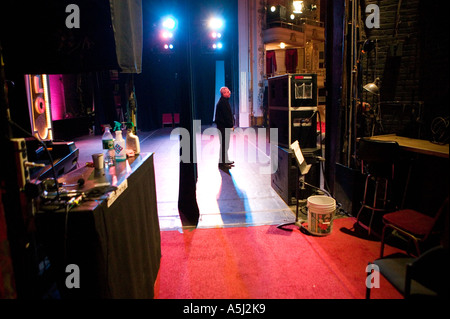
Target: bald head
225,92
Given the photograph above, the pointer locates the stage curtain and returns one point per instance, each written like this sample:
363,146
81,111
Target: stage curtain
271,62
126,17
291,60
7,284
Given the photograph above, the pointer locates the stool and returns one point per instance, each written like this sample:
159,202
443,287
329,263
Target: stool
378,162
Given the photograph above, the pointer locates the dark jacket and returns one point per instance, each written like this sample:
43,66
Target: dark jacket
224,117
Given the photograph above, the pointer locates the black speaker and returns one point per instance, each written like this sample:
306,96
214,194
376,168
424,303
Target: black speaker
300,125
292,100
284,179
349,188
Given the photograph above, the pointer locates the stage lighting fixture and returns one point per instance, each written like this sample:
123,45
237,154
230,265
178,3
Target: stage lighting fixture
168,46
215,23
167,35
169,23
273,8
215,35
213,41
298,6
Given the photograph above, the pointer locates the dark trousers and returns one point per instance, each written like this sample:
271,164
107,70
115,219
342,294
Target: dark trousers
224,144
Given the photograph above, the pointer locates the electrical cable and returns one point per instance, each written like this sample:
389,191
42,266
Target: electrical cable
326,189
321,152
10,121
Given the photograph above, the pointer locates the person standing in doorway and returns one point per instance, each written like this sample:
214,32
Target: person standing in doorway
225,122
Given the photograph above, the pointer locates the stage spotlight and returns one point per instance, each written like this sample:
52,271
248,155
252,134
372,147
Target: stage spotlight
219,45
215,23
167,35
169,23
168,46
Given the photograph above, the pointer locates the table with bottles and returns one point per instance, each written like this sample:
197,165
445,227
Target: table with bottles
111,233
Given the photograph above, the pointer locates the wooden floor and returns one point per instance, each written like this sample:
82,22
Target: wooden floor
242,196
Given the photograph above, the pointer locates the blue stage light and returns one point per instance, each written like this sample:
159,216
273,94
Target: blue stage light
215,23
169,23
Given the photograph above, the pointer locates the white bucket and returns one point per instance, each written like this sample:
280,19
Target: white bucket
320,214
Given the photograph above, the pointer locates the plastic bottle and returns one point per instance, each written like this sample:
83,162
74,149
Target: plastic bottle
108,147
119,144
132,140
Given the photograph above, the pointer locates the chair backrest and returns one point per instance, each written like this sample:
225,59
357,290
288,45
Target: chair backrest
378,156
176,118
167,119
373,151
440,215
438,226
431,270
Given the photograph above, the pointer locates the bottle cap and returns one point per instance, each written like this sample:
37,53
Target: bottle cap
117,126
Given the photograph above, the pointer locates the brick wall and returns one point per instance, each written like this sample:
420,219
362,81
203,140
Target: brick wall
411,62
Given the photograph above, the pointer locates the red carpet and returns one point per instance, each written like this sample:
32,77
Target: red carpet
267,263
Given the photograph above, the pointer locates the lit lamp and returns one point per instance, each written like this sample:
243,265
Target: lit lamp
169,25
298,6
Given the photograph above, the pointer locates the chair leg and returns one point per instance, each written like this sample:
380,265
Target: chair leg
383,235
408,277
364,198
373,206
416,243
